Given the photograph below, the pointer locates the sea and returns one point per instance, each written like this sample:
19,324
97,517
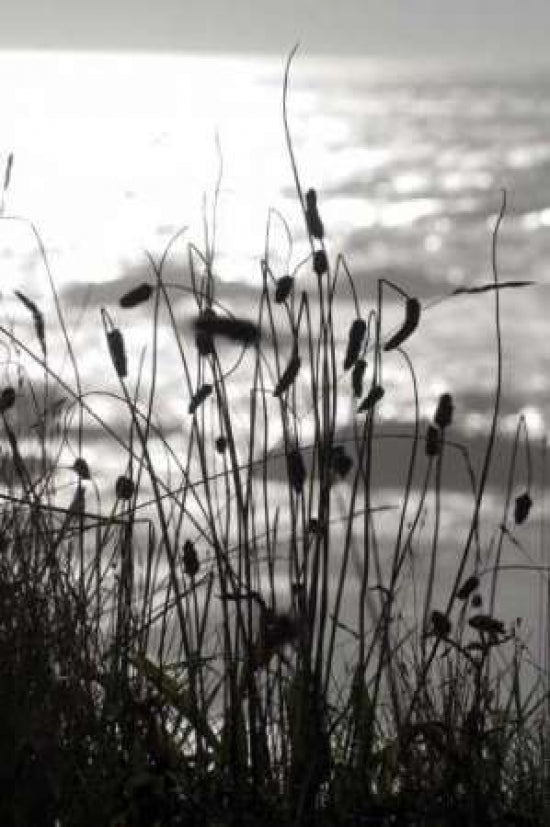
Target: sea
120,158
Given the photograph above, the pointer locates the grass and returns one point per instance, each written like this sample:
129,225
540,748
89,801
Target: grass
220,646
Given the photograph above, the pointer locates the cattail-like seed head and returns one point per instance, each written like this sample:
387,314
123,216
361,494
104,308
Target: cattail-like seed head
441,624
374,395
289,374
117,350
198,398
488,624
313,526
190,559
283,288
124,488
320,262
412,317
357,375
313,220
340,461
355,340
7,399
221,444
522,508
444,412
136,296
81,467
203,337
469,586
433,441
240,331
296,470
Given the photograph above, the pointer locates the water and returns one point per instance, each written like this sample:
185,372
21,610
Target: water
115,153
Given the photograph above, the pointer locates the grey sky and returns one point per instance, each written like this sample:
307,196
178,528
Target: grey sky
502,30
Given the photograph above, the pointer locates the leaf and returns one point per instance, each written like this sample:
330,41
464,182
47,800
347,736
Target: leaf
289,374
118,352
374,395
355,340
138,295
38,319
198,398
283,288
412,317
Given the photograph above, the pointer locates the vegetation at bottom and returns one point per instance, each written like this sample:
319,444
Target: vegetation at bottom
230,640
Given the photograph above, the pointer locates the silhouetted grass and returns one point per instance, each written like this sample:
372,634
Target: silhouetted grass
234,651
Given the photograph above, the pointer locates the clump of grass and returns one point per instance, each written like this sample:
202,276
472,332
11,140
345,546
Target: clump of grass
201,651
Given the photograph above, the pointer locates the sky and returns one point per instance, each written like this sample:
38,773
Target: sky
497,30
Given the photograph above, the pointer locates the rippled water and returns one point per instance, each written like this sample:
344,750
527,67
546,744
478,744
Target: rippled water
114,153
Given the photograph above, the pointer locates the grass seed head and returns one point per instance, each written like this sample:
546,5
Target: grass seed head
38,319
7,171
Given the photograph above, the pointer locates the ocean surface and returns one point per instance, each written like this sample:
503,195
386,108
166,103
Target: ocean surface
114,153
